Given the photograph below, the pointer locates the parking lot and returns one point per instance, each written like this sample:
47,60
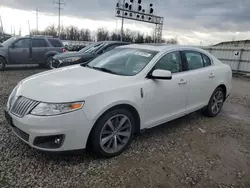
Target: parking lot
193,151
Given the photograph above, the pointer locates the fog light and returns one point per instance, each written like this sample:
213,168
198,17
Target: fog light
57,140
49,142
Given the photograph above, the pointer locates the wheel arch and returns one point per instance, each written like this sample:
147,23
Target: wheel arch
224,88
127,106
5,58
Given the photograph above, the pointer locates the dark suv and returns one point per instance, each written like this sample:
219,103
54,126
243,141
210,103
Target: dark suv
86,54
30,50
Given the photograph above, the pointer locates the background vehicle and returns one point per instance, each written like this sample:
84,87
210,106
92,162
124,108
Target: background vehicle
102,104
74,48
86,54
29,50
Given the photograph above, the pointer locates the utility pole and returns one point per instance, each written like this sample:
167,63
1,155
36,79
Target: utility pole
37,20
123,6
59,7
1,25
29,26
20,31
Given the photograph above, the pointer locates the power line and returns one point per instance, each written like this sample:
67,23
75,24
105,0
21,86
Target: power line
59,7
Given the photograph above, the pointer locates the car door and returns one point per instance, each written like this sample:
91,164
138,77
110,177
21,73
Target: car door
166,99
39,49
19,51
202,78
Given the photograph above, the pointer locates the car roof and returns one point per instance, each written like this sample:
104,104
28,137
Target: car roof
160,47
114,42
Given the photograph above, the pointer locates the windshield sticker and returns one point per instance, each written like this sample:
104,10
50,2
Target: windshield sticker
143,54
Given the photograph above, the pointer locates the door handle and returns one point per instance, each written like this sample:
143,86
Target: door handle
182,81
211,75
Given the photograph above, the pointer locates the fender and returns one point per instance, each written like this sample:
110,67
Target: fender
5,57
116,104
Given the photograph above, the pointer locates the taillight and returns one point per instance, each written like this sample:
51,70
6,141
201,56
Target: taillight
64,50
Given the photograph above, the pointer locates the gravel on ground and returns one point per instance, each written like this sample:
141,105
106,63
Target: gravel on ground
193,151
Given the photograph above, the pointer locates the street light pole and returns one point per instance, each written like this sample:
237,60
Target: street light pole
123,5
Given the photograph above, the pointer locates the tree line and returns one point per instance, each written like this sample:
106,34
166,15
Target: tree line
76,34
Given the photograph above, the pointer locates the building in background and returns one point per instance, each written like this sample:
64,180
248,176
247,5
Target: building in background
238,43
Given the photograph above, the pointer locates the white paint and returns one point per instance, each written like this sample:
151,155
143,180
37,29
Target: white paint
162,101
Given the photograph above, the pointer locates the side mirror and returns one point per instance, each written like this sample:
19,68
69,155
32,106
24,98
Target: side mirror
161,74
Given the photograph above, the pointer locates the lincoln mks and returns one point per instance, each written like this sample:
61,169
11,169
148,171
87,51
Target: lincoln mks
102,104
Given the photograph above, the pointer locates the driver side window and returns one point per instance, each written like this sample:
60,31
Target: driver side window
170,62
22,43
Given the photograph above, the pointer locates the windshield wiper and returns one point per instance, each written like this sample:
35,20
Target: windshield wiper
105,70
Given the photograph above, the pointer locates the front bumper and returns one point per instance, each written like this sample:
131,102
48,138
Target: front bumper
74,127
59,63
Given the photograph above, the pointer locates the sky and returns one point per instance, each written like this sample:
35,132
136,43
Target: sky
193,22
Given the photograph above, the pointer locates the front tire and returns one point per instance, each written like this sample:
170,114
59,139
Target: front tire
215,103
2,63
112,133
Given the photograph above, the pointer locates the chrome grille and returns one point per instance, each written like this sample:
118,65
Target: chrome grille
22,106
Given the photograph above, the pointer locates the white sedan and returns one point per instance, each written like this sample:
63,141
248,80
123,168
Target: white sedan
102,104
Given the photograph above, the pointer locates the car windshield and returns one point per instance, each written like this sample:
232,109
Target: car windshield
9,41
90,47
123,61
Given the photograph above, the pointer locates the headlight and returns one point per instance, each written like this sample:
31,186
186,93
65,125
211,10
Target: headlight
12,97
50,109
70,59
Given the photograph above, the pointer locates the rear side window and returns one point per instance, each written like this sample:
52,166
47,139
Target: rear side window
55,43
206,60
194,60
39,43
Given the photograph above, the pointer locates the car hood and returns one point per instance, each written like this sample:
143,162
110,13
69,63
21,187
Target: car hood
69,84
72,54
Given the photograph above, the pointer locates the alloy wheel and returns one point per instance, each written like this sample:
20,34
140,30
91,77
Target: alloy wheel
115,133
217,102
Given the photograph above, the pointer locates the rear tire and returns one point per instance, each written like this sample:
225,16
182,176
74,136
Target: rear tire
49,63
2,63
215,103
112,133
